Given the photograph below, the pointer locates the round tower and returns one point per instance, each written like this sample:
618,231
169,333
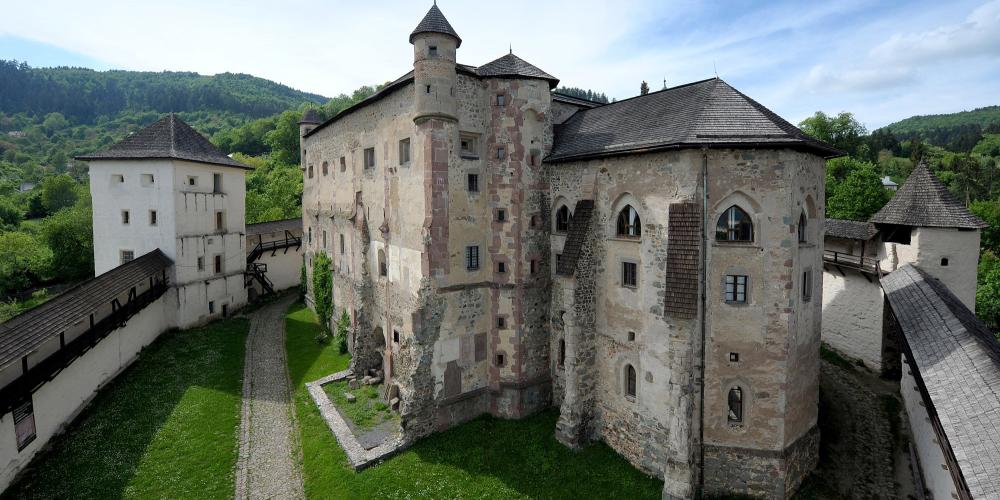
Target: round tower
309,121
435,43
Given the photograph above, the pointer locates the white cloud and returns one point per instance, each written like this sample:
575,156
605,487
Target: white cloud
857,79
978,35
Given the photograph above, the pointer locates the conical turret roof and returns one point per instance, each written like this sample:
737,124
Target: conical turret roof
924,202
435,22
311,116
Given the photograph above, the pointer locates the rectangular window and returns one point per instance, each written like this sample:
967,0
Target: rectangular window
807,282
533,265
146,179
192,180
501,322
125,217
24,424
211,307
201,263
342,244
152,217
324,239
501,215
326,168
127,256
218,264
432,51
558,260
216,183
501,153
220,220
736,289
501,100
473,183
369,157
117,179
472,258
630,278
404,151
469,145
501,267
343,164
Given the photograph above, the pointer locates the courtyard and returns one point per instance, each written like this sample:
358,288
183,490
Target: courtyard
170,427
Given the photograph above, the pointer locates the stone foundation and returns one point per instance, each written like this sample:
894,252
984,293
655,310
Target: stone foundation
759,473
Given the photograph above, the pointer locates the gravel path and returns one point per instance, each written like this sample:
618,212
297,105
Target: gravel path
268,465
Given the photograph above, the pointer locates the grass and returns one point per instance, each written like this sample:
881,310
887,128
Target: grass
165,428
835,358
484,458
367,411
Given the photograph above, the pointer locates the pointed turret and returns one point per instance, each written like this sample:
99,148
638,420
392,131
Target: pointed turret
435,22
924,201
435,44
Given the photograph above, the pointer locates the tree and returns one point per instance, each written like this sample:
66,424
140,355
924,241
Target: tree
284,139
70,236
988,146
343,330
644,88
54,122
989,211
843,131
858,196
58,192
323,292
23,262
11,213
988,290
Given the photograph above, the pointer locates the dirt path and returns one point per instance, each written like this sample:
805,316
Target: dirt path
268,464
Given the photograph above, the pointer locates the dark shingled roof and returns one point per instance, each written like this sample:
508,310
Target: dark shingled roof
850,229
23,333
705,113
578,227
511,66
958,362
568,99
275,226
923,201
167,138
435,22
311,116
683,240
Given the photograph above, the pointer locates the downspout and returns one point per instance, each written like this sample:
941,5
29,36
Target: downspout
702,283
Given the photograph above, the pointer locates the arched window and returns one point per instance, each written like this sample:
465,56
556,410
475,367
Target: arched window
734,225
562,219
629,381
802,228
383,268
735,405
629,225
562,352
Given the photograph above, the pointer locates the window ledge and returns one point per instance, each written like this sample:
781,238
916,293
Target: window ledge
625,239
735,244
631,287
467,156
737,304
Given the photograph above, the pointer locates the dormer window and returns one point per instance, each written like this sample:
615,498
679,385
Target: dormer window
432,51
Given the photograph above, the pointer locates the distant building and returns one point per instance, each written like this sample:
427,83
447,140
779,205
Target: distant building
26,186
889,184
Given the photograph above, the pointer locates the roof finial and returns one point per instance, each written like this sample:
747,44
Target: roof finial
511,46
716,69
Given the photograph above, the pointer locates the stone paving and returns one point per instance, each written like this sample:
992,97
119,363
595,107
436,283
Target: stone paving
268,465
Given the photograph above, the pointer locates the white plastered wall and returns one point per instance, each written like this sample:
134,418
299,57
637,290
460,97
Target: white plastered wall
935,472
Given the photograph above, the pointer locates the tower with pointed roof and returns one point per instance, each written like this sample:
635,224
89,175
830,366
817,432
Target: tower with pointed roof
435,44
166,186
925,225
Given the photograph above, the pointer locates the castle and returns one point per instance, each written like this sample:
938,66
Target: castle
651,267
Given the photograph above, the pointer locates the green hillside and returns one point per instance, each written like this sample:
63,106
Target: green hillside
954,131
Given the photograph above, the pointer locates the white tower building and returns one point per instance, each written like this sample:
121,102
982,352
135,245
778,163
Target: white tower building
168,187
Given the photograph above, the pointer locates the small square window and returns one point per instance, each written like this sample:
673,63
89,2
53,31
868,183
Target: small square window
501,267
125,217
501,153
472,258
473,183
500,360
501,322
944,262
432,51
369,157
501,100
152,217
734,357
631,336
469,145
192,180
501,215
127,256
630,278
736,289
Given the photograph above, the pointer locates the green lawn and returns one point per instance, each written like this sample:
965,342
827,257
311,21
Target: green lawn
166,428
485,458
367,411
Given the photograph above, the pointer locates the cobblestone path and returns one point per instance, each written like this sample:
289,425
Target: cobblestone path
268,463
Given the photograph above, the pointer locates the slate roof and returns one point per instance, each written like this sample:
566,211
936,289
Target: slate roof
311,116
167,138
923,201
958,361
683,240
577,235
568,99
704,113
511,66
850,229
435,22
275,226
23,333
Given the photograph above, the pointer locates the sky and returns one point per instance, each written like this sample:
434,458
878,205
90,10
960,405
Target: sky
881,60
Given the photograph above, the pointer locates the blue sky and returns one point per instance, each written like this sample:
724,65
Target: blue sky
883,61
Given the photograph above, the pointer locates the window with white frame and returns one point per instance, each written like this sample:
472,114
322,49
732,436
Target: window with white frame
736,288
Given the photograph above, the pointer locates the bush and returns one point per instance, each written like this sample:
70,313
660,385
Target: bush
343,329
323,292
24,261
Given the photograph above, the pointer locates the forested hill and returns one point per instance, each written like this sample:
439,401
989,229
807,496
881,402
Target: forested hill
82,95
954,131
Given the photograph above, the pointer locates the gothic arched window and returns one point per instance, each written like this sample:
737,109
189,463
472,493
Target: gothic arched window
802,228
734,225
562,219
383,268
735,405
629,381
629,225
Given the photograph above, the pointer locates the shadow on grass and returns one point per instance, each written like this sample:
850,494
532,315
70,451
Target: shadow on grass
166,427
